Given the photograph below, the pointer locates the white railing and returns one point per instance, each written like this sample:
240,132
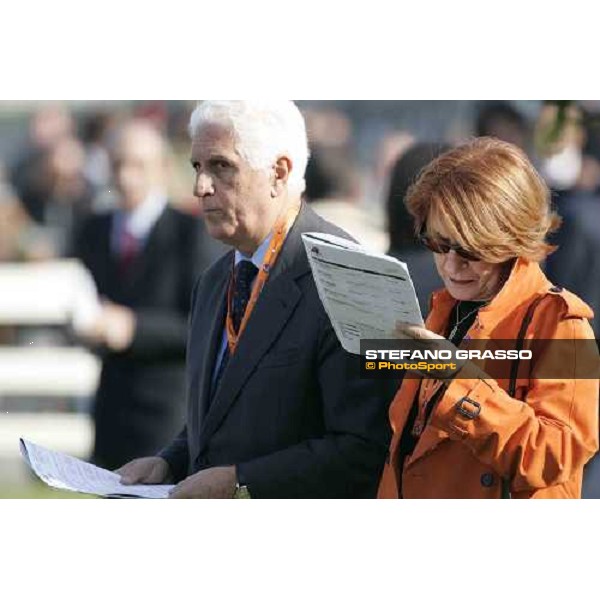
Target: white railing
55,294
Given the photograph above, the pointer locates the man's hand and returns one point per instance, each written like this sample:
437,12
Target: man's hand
217,482
114,327
151,469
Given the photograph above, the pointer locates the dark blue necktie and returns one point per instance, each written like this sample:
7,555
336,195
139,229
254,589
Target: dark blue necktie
244,274
243,277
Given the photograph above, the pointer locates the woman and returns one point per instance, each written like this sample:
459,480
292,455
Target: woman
485,212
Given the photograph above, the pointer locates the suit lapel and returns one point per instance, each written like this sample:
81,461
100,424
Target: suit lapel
275,306
102,261
205,340
273,309
213,335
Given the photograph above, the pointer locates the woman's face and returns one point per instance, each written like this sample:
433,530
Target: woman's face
469,280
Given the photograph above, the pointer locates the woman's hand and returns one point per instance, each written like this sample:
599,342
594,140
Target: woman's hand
405,331
444,369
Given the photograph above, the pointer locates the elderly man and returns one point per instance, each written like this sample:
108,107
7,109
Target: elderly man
144,257
276,408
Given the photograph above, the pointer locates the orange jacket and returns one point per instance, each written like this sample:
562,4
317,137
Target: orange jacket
540,441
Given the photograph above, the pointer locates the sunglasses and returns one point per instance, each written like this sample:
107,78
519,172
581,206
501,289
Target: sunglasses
442,246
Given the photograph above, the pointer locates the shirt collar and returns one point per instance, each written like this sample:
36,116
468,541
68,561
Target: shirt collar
141,219
259,254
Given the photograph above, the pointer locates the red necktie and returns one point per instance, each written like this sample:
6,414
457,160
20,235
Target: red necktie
128,251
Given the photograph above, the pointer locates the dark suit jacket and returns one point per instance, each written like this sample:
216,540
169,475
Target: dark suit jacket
291,411
140,403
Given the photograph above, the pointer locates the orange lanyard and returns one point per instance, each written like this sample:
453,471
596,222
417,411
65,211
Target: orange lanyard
280,231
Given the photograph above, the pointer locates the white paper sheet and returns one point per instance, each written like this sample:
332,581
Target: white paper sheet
364,293
68,473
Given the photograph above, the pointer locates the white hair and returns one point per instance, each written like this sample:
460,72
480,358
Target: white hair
264,131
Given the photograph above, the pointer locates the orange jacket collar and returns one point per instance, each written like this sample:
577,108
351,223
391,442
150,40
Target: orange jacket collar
525,281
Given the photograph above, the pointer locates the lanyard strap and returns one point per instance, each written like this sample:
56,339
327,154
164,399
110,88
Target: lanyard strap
280,231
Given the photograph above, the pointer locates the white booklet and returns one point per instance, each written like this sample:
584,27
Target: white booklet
363,292
68,473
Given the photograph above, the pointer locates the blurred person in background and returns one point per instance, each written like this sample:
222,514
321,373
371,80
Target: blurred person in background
96,130
21,239
334,176
571,167
591,148
14,222
67,195
485,213
388,151
144,257
328,127
501,120
155,112
560,139
403,242
50,182
48,125
333,192
180,181
569,143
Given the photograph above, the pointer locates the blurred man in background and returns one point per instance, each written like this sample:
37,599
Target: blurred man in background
500,119
334,177
403,238
14,221
572,171
144,257
50,182
568,140
334,193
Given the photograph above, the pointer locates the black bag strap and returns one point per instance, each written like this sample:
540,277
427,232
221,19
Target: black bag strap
514,369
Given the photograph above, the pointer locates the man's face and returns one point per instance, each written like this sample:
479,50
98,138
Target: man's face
139,167
236,201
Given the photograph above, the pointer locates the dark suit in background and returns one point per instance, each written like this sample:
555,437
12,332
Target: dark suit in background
140,400
291,411
576,263
576,266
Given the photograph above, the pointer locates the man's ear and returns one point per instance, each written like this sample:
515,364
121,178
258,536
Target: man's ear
281,175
